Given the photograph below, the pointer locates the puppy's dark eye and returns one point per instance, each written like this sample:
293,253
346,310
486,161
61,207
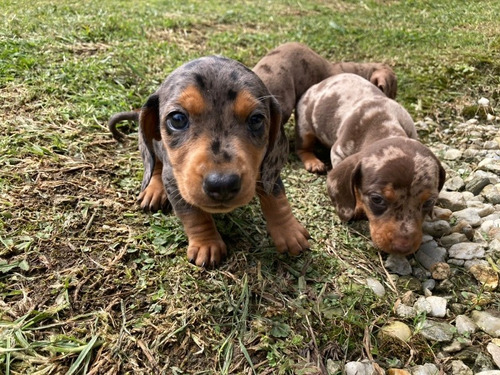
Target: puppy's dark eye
256,122
428,204
177,121
377,204
377,199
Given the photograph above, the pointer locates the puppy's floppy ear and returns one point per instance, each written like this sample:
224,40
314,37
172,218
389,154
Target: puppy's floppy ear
442,176
275,121
341,183
386,81
277,149
149,131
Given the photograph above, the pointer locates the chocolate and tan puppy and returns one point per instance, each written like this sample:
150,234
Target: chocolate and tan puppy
379,170
291,68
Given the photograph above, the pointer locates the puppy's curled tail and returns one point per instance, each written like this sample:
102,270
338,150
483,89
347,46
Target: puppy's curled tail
119,117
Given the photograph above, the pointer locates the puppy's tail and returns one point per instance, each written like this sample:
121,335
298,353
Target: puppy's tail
119,117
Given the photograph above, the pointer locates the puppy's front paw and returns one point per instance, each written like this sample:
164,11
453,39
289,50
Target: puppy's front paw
290,237
153,198
207,253
315,166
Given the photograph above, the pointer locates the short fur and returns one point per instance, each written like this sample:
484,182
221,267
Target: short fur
379,170
291,68
218,163
208,139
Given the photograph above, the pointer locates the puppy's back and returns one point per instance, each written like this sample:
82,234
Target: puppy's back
325,105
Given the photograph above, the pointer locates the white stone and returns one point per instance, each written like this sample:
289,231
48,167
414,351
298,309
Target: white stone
483,101
487,321
494,351
376,286
405,311
466,250
422,306
465,325
426,369
470,215
438,306
359,368
460,368
452,154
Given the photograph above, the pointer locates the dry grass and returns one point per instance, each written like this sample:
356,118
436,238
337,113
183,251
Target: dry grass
89,284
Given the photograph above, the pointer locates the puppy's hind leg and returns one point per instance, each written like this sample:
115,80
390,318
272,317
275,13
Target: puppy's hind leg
304,147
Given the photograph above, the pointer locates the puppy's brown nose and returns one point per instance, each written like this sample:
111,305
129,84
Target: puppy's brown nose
221,187
404,246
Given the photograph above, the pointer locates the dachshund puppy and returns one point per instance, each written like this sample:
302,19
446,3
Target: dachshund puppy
379,170
210,140
291,68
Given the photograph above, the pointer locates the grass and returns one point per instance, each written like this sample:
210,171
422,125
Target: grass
91,285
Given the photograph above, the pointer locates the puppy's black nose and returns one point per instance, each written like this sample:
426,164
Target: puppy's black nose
221,187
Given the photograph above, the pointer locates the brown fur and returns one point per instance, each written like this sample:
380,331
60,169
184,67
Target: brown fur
210,139
291,68
379,170
219,96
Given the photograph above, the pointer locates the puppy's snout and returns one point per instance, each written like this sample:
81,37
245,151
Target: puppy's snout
221,187
405,245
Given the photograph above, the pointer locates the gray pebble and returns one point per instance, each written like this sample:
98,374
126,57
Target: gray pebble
494,245
491,145
429,253
465,325
487,321
452,154
398,264
437,331
466,250
476,184
452,200
470,215
474,262
454,184
460,368
456,262
489,165
429,284
457,345
452,239
438,228
494,351
426,369
491,194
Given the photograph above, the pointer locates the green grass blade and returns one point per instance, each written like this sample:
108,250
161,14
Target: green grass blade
83,355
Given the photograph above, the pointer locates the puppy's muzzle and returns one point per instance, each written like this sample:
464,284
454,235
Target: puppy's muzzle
221,187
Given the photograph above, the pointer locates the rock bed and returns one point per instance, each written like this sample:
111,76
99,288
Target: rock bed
452,295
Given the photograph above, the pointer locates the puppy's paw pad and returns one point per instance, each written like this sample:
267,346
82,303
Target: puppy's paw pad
207,254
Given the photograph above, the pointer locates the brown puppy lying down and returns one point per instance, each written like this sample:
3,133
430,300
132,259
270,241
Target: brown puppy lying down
379,170
211,137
